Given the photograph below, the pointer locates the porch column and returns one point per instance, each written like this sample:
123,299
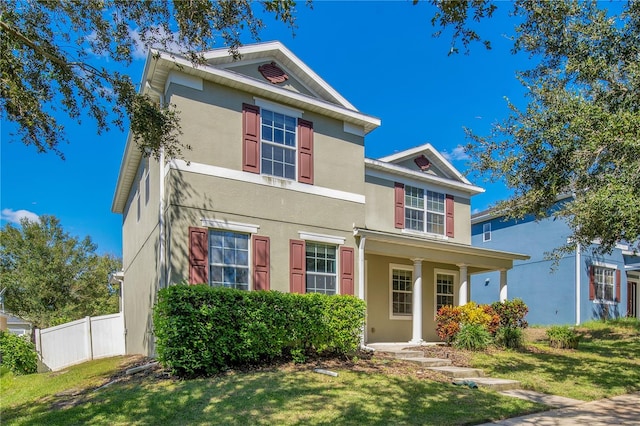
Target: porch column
417,301
503,285
463,291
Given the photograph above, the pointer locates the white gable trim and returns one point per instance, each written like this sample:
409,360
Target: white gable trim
396,173
442,162
208,170
280,48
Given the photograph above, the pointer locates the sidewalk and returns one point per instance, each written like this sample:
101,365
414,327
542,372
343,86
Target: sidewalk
619,410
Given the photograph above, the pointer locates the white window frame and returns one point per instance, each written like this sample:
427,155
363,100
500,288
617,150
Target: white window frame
399,267
486,229
325,274
456,283
249,258
426,211
608,267
290,112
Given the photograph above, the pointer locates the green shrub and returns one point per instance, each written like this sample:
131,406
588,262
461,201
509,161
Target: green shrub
17,354
509,337
511,313
472,337
202,330
563,337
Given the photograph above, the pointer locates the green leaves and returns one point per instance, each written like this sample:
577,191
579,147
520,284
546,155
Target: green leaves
202,330
52,277
579,135
55,59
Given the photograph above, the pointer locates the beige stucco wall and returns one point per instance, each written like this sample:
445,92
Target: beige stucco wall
380,327
280,214
140,254
214,132
380,209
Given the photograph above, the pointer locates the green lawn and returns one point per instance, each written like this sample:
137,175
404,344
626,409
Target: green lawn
282,396
378,391
606,363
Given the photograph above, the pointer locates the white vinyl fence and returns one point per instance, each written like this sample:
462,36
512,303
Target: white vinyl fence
82,340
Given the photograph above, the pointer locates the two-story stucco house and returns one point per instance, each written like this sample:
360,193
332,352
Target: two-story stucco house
276,194
581,287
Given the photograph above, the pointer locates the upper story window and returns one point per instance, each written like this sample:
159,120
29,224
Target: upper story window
424,210
277,142
278,138
486,232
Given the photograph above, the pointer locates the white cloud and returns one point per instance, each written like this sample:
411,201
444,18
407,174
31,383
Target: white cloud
457,154
15,216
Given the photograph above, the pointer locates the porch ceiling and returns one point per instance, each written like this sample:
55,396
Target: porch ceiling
432,250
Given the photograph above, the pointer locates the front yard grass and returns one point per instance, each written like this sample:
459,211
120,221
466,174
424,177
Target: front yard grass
284,396
606,363
377,391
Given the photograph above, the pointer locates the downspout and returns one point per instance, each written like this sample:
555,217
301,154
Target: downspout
161,242
578,282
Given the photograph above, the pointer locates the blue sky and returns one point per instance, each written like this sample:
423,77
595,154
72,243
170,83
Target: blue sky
379,55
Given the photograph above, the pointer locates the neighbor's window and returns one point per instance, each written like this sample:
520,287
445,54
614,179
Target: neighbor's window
486,232
444,290
604,282
424,210
401,293
229,259
321,268
278,144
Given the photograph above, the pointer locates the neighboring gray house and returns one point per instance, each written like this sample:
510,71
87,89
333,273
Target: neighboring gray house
583,287
17,326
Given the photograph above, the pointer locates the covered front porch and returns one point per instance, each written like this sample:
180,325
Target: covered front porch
407,278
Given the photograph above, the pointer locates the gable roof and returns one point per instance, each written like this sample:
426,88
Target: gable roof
392,164
157,75
275,50
433,155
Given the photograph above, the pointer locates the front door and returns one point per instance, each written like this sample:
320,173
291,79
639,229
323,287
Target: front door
632,299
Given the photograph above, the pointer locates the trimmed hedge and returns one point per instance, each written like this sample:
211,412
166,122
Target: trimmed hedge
202,330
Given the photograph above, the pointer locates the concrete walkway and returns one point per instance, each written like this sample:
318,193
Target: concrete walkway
619,410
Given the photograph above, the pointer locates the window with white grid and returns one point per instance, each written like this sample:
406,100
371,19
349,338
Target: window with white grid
444,289
401,292
278,149
424,211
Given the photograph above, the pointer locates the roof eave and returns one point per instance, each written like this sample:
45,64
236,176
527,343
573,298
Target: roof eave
401,171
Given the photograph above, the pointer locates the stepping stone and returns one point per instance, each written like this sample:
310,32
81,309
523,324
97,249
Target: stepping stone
457,372
429,362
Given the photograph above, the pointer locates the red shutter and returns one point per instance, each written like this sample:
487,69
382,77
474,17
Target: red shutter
297,263
261,276
305,151
592,283
449,207
618,284
198,255
250,138
399,205
346,270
